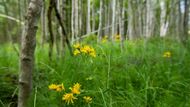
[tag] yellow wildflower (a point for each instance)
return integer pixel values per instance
(104, 39)
(93, 54)
(91, 50)
(167, 54)
(76, 88)
(60, 87)
(57, 87)
(76, 52)
(77, 85)
(86, 49)
(83, 50)
(68, 98)
(77, 45)
(117, 37)
(87, 99)
(52, 87)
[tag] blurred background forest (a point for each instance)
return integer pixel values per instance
(131, 19)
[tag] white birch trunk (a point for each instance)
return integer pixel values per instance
(43, 23)
(76, 19)
(163, 22)
(131, 25)
(100, 28)
(93, 15)
(113, 18)
(122, 22)
(73, 22)
(80, 17)
(28, 44)
(88, 17)
(150, 20)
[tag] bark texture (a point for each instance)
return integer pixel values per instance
(163, 22)
(122, 23)
(113, 18)
(100, 28)
(150, 20)
(28, 44)
(43, 23)
(88, 17)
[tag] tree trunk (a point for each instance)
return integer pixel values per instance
(140, 17)
(184, 21)
(109, 21)
(28, 44)
(73, 21)
(163, 22)
(80, 17)
(100, 28)
(43, 23)
(113, 18)
(88, 17)
(93, 15)
(63, 15)
(150, 20)
(122, 22)
(76, 15)
(106, 19)
(172, 19)
(132, 33)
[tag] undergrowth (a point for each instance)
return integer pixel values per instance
(139, 76)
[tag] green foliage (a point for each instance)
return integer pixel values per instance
(138, 77)
(8, 75)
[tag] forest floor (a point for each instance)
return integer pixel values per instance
(155, 73)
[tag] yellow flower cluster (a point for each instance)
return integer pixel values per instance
(55, 87)
(76, 88)
(86, 49)
(70, 97)
(117, 37)
(104, 39)
(167, 54)
(87, 99)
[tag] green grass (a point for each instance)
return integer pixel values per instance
(137, 77)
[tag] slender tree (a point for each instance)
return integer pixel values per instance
(75, 20)
(163, 20)
(49, 15)
(43, 23)
(64, 18)
(28, 44)
(93, 15)
(172, 18)
(150, 18)
(185, 21)
(122, 22)
(88, 16)
(113, 18)
(100, 28)
(132, 20)
(182, 20)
